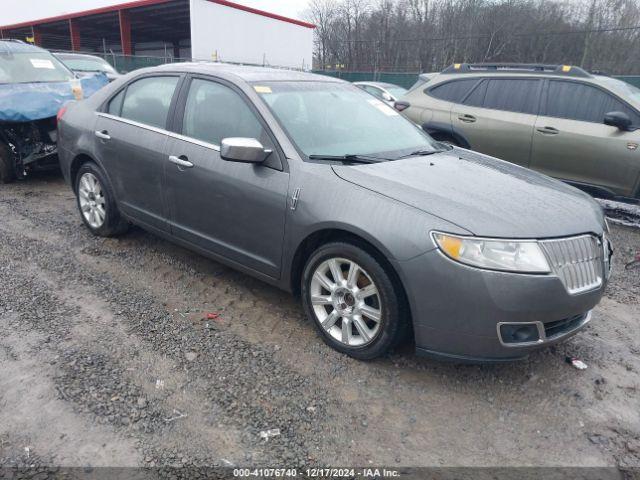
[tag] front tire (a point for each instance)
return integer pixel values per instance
(96, 202)
(352, 301)
(7, 168)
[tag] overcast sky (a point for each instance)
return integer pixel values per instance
(17, 11)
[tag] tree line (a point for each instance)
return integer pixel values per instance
(427, 35)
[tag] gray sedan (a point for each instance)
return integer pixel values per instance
(314, 186)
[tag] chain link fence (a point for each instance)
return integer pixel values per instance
(128, 63)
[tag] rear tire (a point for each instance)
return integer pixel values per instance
(7, 169)
(352, 301)
(97, 204)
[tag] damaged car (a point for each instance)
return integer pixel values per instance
(34, 85)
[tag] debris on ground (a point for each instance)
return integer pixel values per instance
(635, 263)
(213, 316)
(267, 434)
(159, 384)
(579, 364)
(178, 415)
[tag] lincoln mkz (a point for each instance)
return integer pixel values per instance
(315, 186)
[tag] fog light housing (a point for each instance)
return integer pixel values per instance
(519, 333)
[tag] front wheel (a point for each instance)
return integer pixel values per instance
(352, 301)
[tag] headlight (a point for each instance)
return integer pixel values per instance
(505, 255)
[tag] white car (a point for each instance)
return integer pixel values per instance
(387, 92)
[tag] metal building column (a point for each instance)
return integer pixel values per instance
(37, 35)
(125, 32)
(74, 32)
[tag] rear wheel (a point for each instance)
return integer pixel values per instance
(7, 170)
(96, 202)
(352, 301)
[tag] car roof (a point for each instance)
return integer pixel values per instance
(75, 55)
(249, 74)
(17, 46)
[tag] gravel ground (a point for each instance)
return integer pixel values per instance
(108, 360)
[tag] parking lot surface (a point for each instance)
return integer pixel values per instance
(108, 359)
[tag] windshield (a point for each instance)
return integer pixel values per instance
(88, 64)
(32, 67)
(336, 119)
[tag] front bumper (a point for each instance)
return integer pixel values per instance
(457, 310)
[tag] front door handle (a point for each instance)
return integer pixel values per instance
(548, 130)
(182, 162)
(467, 118)
(103, 134)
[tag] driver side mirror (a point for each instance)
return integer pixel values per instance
(243, 150)
(618, 119)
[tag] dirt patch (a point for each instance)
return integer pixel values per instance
(110, 339)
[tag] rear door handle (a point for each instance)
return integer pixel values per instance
(548, 130)
(103, 134)
(182, 162)
(467, 118)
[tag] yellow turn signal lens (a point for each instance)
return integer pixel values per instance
(450, 245)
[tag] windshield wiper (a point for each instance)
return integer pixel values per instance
(422, 153)
(349, 158)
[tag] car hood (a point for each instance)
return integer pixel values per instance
(486, 196)
(26, 102)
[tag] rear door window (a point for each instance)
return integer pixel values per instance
(148, 100)
(454, 91)
(578, 101)
(476, 97)
(513, 95)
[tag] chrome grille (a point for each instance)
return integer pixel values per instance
(577, 261)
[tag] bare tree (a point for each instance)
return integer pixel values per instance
(427, 35)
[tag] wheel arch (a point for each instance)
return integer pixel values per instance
(335, 234)
(436, 129)
(74, 168)
(77, 162)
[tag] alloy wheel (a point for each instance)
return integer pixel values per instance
(92, 200)
(346, 302)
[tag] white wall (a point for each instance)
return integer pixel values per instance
(227, 34)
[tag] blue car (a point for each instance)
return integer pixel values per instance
(34, 85)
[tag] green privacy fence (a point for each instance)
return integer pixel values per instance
(127, 63)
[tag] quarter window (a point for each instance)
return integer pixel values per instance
(214, 111)
(513, 95)
(577, 101)
(453, 91)
(148, 100)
